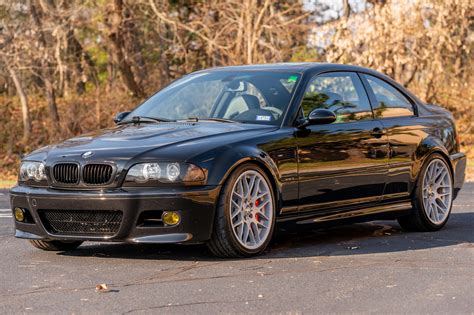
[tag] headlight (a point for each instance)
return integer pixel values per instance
(32, 171)
(165, 173)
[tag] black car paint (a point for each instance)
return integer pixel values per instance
(319, 172)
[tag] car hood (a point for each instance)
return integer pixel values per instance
(133, 140)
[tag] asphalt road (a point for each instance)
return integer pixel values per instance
(364, 268)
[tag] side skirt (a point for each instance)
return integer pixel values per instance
(314, 217)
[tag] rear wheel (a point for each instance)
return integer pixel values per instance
(55, 245)
(433, 197)
(245, 215)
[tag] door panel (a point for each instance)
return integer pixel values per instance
(341, 164)
(345, 162)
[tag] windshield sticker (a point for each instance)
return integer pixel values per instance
(292, 78)
(264, 118)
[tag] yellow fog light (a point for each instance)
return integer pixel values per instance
(19, 214)
(170, 218)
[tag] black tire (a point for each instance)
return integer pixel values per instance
(58, 246)
(418, 220)
(223, 242)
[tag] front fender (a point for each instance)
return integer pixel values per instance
(225, 162)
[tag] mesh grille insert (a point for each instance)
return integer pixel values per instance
(81, 222)
(66, 173)
(97, 174)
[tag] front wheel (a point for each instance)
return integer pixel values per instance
(55, 245)
(245, 215)
(433, 197)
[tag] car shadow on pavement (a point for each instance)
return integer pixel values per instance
(306, 241)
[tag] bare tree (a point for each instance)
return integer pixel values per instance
(236, 32)
(45, 71)
(115, 23)
(23, 99)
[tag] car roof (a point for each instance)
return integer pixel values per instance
(292, 66)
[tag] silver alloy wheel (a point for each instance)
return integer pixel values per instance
(251, 209)
(437, 191)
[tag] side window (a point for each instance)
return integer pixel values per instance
(390, 102)
(341, 92)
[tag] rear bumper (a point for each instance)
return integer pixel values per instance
(458, 161)
(196, 206)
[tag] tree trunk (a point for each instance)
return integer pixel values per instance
(76, 51)
(46, 72)
(133, 46)
(115, 35)
(24, 103)
(346, 8)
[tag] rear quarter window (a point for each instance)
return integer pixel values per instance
(390, 101)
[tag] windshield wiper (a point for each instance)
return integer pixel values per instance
(213, 119)
(139, 119)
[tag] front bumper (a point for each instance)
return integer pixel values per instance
(196, 206)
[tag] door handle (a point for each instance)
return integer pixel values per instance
(377, 132)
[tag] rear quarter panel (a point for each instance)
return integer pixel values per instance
(411, 141)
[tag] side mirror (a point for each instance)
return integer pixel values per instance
(120, 116)
(321, 116)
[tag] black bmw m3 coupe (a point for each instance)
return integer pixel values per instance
(222, 155)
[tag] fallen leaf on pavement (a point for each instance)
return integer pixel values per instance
(101, 288)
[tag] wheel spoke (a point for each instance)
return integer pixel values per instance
(252, 238)
(430, 210)
(255, 232)
(236, 205)
(436, 214)
(432, 172)
(246, 187)
(238, 195)
(236, 211)
(261, 197)
(256, 187)
(440, 204)
(240, 231)
(251, 185)
(437, 174)
(441, 177)
(263, 204)
(246, 232)
(262, 224)
(263, 215)
(241, 188)
(440, 210)
(238, 222)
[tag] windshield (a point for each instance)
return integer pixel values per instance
(251, 96)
